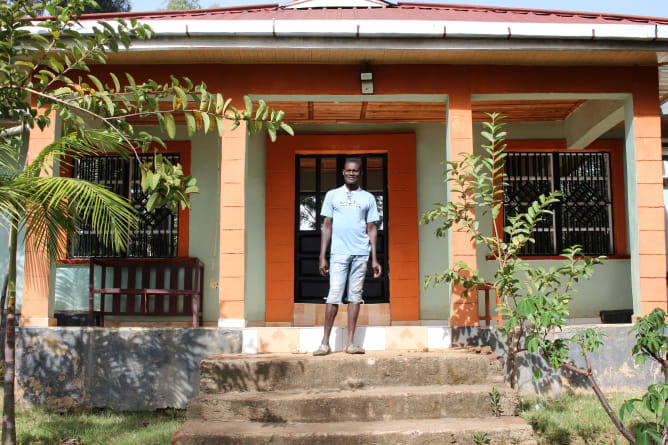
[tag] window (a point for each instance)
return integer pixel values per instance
(157, 233)
(585, 214)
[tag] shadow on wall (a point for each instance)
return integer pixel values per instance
(124, 369)
(613, 365)
(71, 288)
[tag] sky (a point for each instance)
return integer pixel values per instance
(653, 8)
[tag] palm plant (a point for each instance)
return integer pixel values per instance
(47, 210)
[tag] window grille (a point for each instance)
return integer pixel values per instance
(156, 234)
(584, 214)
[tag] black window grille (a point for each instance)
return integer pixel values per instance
(157, 233)
(584, 214)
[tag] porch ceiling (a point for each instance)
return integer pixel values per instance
(328, 112)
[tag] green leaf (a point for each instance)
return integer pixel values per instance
(207, 122)
(170, 126)
(150, 205)
(221, 125)
(219, 103)
(248, 103)
(288, 129)
(117, 84)
(190, 124)
(96, 82)
(146, 180)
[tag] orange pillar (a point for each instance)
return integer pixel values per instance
(650, 205)
(280, 229)
(464, 310)
(39, 274)
(232, 252)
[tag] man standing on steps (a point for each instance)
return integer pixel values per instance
(350, 216)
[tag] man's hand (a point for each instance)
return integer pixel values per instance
(377, 269)
(324, 266)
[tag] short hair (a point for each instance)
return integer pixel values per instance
(357, 161)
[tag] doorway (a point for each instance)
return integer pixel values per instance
(314, 176)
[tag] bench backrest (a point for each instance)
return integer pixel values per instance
(129, 282)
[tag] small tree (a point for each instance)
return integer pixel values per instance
(182, 4)
(652, 343)
(525, 292)
(534, 300)
(47, 72)
(108, 6)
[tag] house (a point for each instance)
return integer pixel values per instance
(404, 86)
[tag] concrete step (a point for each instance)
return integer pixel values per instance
(501, 430)
(281, 372)
(370, 404)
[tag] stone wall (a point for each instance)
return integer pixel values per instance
(125, 368)
(613, 366)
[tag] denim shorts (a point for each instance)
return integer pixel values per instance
(350, 268)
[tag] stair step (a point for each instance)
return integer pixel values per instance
(501, 430)
(238, 372)
(368, 404)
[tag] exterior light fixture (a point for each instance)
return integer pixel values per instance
(366, 78)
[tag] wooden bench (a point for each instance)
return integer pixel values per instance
(147, 287)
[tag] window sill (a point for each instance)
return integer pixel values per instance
(72, 261)
(559, 257)
(76, 261)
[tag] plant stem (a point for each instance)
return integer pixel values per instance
(9, 415)
(601, 397)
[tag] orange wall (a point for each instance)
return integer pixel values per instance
(402, 217)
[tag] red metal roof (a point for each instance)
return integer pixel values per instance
(401, 11)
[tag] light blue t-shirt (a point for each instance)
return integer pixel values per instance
(350, 212)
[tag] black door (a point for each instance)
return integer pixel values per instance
(315, 175)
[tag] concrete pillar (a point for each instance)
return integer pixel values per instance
(232, 252)
(645, 199)
(464, 310)
(39, 273)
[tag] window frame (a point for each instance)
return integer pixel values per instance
(615, 148)
(183, 148)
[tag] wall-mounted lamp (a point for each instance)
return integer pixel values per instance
(366, 77)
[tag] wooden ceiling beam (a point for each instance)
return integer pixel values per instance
(363, 111)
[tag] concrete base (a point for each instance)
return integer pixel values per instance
(613, 365)
(372, 338)
(124, 369)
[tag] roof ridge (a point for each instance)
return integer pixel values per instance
(540, 11)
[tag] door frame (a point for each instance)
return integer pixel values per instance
(404, 279)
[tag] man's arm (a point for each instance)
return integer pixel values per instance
(325, 237)
(372, 232)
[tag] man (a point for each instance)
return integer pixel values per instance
(350, 216)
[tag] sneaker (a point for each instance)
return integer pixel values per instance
(354, 349)
(322, 350)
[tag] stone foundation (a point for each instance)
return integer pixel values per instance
(125, 368)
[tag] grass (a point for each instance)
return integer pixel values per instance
(35, 426)
(573, 419)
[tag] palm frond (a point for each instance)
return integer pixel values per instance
(60, 205)
(12, 199)
(75, 145)
(10, 150)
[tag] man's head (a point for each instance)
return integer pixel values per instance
(352, 171)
